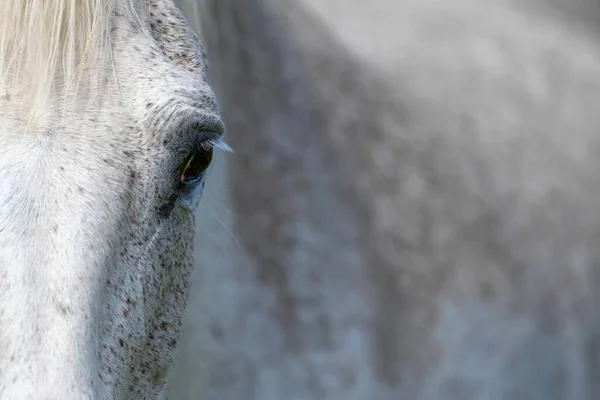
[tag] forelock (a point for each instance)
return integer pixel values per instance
(43, 42)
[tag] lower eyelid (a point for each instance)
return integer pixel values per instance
(195, 180)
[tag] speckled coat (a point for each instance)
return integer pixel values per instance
(96, 232)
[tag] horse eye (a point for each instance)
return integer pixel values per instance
(196, 164)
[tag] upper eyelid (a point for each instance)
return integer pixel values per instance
(211, 129)
(210, 123)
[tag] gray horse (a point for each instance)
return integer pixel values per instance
(107, 128)
(413, 199)
(415, 196)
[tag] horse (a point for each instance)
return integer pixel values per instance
(414, 201)
(107, 130)
(415, 214)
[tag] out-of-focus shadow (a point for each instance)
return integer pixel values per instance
(412, 205)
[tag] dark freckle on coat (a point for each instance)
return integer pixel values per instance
(165, 210)
(64, 310)
(132, 177)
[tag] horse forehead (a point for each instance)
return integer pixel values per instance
(179, 41)
(158, 64)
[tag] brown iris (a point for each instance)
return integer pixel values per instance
(196, 164)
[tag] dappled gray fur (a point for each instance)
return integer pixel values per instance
(96, 227)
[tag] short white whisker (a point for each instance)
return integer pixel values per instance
(216, 216)
(210, 198)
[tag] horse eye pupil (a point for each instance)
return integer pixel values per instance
(197, 164)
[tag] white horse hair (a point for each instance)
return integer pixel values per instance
(106, 128)
(41, 39)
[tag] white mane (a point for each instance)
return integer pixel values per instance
(44, 42)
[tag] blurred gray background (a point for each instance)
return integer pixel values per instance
(380, 233)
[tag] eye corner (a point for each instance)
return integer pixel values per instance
(191, 180)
